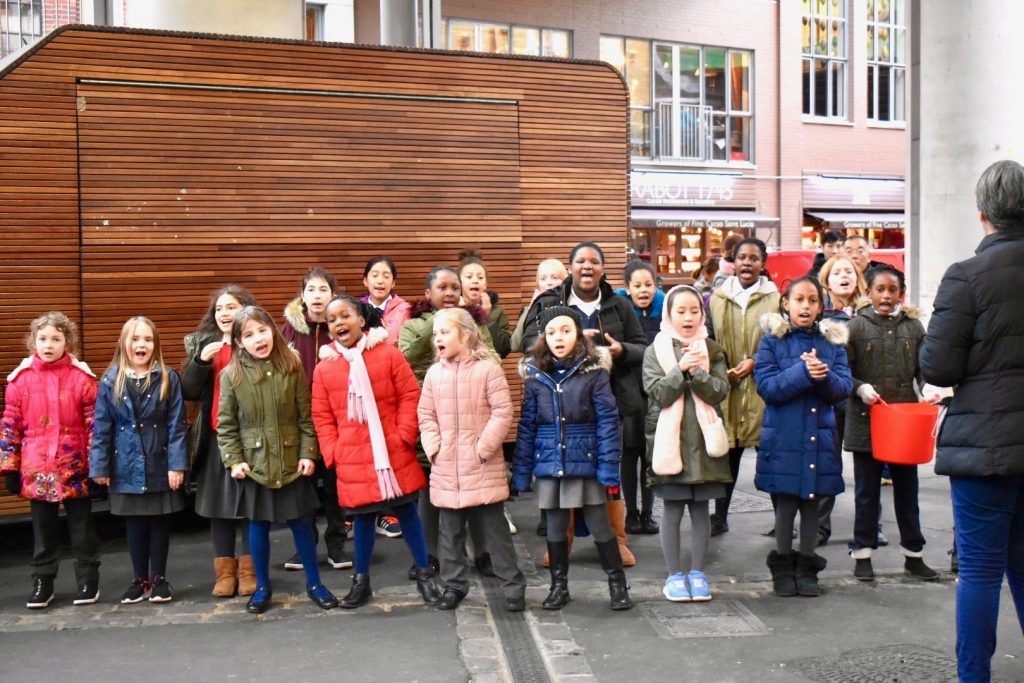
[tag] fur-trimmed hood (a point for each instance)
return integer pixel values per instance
(27, 363)
(600, 359)
(295, 314)
(423, 306)
(834, 332)
(909, 310)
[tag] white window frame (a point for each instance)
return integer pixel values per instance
(896, 63)
(479, 24)
(834, 89)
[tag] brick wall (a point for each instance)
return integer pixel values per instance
(59, 12)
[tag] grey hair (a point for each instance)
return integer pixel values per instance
(1000, 196)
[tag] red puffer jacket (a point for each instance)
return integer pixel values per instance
(345, 445)
(47, 428)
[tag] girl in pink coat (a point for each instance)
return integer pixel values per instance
(379, 277)
(44, 453)
(465, 411)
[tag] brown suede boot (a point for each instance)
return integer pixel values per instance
(226, 569)
(572, 531)
(617, 518)
(246, 576)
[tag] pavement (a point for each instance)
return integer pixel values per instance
(895, 629)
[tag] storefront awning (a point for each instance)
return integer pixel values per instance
(860, 221)
(682, 218)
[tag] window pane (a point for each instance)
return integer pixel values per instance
(494, 39)
(611, 52)
(639, 132)
(663, 73)
(838, 8)
(871, 92)
(525, 41)
(838, 89)
(638, 71)
(807, 83)
(884, 73)
(822, 7)
(714, 78)
(555, 44)
(719, 147)
(898, 54)
(871, 43)
(871, 10)
(463, 36)
(739, 138)
(805, 6)
(836, 37)
(883, 10)
(444, 34)
(898, 17)
(689, 76)
(805, 28)
(821, 37)
(899, 95)
(739, 83)
(820, 88)
(883, 44)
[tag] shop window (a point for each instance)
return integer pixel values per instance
(476, 36)
(21, 24)
(314, 21)
(823, 45)
(687, 103)
(887, 60)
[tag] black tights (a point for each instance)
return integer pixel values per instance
(722, 504)
(223, 533)
(632, 460)
(786, 507)
(148, 541)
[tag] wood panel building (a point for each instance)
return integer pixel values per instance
(140, 170)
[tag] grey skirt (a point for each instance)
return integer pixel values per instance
(217, 494)
(152, 503)
(684, 492)
(569, 492)
(293, 501)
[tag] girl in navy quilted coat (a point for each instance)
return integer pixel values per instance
(801, 372)
(569, 440)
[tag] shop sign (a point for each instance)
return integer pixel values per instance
(652, 188)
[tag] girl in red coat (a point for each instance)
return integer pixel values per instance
(364, 409)
(44, 453)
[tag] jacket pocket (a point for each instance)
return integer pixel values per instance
(254, 452)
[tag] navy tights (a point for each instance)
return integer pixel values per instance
(259, 543)
(412, 533)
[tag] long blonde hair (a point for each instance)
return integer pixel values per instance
(121, 355)
(860, 289)
(461, 320)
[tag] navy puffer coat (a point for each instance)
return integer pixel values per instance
(798, 453)
(568, 427)
(137, 451)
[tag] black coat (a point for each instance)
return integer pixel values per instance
(616, 318)
(975, 343)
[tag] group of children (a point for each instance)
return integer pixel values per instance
(403, 408)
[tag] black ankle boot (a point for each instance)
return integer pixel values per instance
(359, 594)
(558, 560)
(426, 586)
(648, 523)
(611, 562)
(783, 569)
(807, 568)
(633, 523)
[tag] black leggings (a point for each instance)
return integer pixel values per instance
(786, 507)
(631, 461)
(148, 541)
(223, 533)
(722, 504)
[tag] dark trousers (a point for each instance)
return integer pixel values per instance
(989, 518)
(867, 476)
(722, 504)
(827, 503)
(452, 547)
(85, 543)
(431, 517)
(633, 468)
(334, 534)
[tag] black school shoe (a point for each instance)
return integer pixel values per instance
(719, 525)
(647, 523)
(633, 524)
(451, 598)
(916, 567)
(863, 571)
(321, 597)
(88, 593)
(260, 601)
(160, 590)
(42, 593)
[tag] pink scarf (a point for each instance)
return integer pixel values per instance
(362, 407)
(666, 458)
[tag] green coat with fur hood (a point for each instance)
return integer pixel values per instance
(266, 420)
(883, 352)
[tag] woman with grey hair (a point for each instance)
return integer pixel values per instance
(975, 343)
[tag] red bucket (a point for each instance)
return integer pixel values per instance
(903, 433)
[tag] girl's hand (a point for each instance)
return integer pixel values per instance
(742, 370)
(694, 360)
(868, 394)
(175, 478)
(485, 303)
(210, 350)
(240, 470)
(614, 346)
(306, 467)
(327, 352)
(102, 481)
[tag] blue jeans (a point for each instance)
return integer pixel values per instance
(989, 519)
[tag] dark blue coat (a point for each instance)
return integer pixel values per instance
(798, 453)
(568, 427)
(137, 451)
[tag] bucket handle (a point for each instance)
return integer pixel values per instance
(938, 422)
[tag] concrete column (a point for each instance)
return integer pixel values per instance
(966, 114)
(264, 18)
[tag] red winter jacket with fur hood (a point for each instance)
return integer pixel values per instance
(345, 445)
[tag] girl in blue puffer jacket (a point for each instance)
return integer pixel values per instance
(801, 372)
(569, 440)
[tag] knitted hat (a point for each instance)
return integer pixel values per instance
(549, 314)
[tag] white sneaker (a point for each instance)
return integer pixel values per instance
(508, 518)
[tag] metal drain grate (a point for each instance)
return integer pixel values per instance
(749, 502)
(715, 619)
(525, 663)
(883, 664)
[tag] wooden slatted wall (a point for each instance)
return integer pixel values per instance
(141, 170)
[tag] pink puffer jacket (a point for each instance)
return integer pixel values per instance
(465, 413)
(47, 428)
(397, 312)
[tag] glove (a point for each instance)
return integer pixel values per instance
(867, 393)
(12, 480)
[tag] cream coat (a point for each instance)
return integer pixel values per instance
(465, 412)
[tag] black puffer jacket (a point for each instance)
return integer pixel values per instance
(616, 318)
(975, 343)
